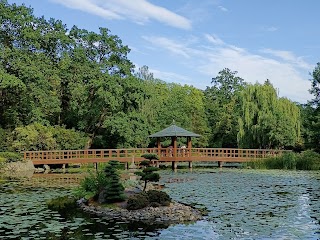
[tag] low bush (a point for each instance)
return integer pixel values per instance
(11, 157)
(159, 197)
(151, 198)
(138, 201)
(62, 203)
(91, 185)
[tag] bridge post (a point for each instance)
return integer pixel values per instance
(220, 163)
(174, 165)
(190, 164)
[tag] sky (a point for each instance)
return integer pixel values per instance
(190, 41)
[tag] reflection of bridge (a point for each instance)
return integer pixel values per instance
(173, 155)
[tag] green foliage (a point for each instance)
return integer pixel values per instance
(150, 156)
(137, 201)
(223, 109)
(285, 161)
(114, 188)
(5, 140)
(69, 138)
(107, 181)
(159, 197)
(315, 85)
(33, 137)
(307, 160)
(92, 185)
(144, 163)
(82, 80)
(151, 198)
(267, 121)
(36, 136)
(62, 203)
(148, 175)
(11, 157)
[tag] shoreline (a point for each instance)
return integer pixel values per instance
(173, 214)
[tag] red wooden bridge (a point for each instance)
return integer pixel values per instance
(173, 155)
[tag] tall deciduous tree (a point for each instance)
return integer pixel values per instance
(267, 121)
(313, 116)
(223, 109)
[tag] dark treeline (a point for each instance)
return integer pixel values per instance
(71, 88)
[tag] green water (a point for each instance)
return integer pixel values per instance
(242, 204)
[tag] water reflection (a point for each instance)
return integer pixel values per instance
(242, 204)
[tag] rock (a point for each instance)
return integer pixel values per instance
(23, 166)
(102, 196)
(175, 213)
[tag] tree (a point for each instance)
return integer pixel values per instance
(223, 109)
(114, 189)
(315, 85)
(148, 173)
(267, 121)
(312, 112)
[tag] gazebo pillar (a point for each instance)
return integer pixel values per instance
(189, 146)
(159, 147)
(174, 145)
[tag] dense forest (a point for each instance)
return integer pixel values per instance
(66, 88)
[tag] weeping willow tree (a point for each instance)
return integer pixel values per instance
(266, 120)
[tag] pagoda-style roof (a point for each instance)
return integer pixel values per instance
(174, 131)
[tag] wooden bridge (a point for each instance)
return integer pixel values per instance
(173, 155)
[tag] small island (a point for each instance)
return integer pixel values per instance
(102, 194)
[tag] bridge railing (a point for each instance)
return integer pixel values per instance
(234, 153)
(165, 154)
(87, 154)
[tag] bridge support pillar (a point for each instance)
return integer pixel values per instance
(190, 164)
(220, 163)
(157, 164)
(174, 165)
(96, 166)
(127, 165)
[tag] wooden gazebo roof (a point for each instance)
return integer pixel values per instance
(174, 131)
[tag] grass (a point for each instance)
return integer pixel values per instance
(307, 160)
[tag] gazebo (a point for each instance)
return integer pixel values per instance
(174, 132)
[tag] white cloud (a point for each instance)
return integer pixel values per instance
(170, 45)
(270, 29)
(223, 8)
(171, 77)
(214, 39)
(289, 57)
(287, 72)
(140, 11)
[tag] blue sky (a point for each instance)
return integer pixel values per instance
(190, 41)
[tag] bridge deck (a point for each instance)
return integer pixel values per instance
(165, 155)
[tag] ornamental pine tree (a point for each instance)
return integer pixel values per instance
(148, 173)
(114, 189)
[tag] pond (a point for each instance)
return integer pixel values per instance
(242, 204)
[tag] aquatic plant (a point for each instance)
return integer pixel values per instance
(284, 161)
(307, 160)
